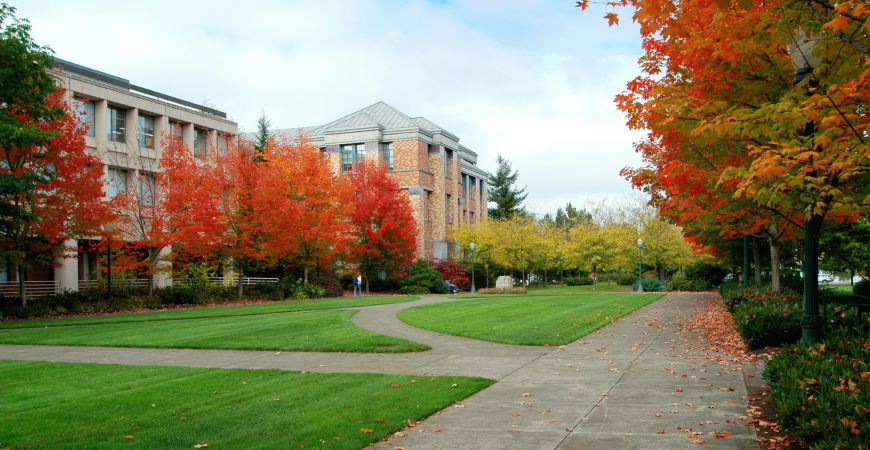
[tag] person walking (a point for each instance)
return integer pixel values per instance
(356, 286)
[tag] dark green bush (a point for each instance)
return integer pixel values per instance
(578, 281)
(421, 274)
(679, 283)
(733, 295)
(414, 290)
(627, 279)
(177, 295)
(377, 284)
(709, 273)
(768, 324)
(821, 393)
(650, 285)
(862, 288)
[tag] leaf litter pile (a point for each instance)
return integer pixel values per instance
(718, 327)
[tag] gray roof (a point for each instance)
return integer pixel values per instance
(379, 115)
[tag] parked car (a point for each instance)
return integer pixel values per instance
(825, 279)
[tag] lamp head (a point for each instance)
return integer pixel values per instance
(801, 51)
(639, 243)
(109, 227)
(471, 246)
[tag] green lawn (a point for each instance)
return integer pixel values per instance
(840, 290)
(526, 319)
(325, 331)
(96, 406)
(566, 290)
(218, 311)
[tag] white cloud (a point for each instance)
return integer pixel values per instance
(533, 81)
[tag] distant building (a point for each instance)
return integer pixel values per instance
(440, 176)
(126, 125)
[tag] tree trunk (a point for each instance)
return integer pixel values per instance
(367, 285)
(305, 271)
(545, 278)
(151, 286)
(774, 266)
(756, 260)
(241, 284)
(852, 277)
(561, 275)
(487, 276)
(608, 278)
(21, 289)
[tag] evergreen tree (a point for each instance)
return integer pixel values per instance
(261, 136)
(503, 193)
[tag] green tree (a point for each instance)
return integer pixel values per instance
(24, 87)
(502, 192)
(261, 136)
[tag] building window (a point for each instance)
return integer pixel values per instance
(464, 185)
(147, 189)
(388, 155)
(146, 131)
(199, 143)
(481, 190)
(84, 109)
(223, 142)
(446, 164)
(117, 182)
(117, 124)
(427, 204)
(351, 155)
(175, 130)
(471, 217)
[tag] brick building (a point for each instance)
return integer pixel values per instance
(439, 175)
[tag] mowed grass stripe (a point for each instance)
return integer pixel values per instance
(94, 406)
(326, 331)
(526, 320)
(217, 311)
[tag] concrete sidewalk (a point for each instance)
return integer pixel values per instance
(630, 385)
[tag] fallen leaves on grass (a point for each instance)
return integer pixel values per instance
(394, 385)
(366, 430)
(128, 437)
(200, 446)
(380, 420)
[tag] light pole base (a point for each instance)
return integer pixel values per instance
(812, 328)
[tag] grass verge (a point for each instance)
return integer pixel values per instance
(217, 311)
(323, 331)
(97, 406)
(526, 319)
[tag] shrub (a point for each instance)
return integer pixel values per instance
(377, 284)
(733, 295)
(578, 281)
(331, 286)
(821, 393)
(453, 271)
(177, 295)
(414, 290)
(709, 273)
(862, 288)
(627, 279)
(679, 283)
(650, 285)
(517, 290)
(490, 291)
(420, 274)
(768, 324)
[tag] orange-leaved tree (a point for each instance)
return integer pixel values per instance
(320, 197)
(228, 205)
(382, 238)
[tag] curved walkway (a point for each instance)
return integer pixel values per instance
(629, 385)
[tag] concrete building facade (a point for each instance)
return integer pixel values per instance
(126, 123)
(438, 174)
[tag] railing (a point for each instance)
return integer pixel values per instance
(125, 282)
(31, 288)
(225, 281)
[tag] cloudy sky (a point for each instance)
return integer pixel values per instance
(532, 80)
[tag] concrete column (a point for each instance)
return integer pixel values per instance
(211, 141)
(101, 124)
(163, 278)
(132, 132)
(161, 125)
(67, 273)
(106, 182)
(187, 136)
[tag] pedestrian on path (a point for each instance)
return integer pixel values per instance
(357, 281)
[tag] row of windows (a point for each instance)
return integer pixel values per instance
(119, 183)
(466, 180)
(117, 127)
(354, 153)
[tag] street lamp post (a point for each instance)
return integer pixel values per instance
(473, 290)
(109, 227)
(801, 50)
(640, 265)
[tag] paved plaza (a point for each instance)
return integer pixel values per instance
(640, 382)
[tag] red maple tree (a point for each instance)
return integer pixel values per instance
(383, 230)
